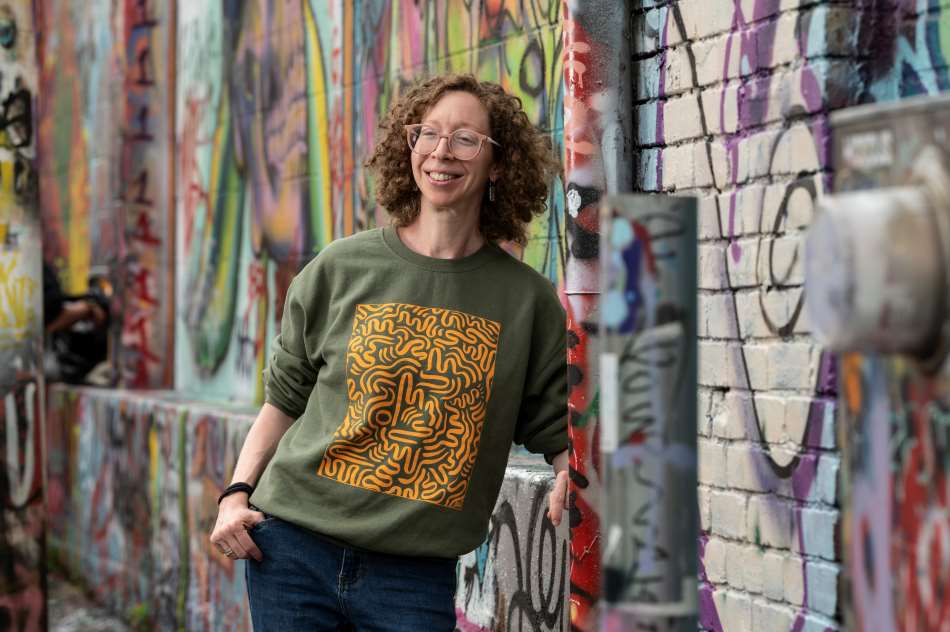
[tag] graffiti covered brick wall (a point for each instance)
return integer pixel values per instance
(732, 102)
(22, 511)
(278, 105)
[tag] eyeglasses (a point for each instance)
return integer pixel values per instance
(463, 143)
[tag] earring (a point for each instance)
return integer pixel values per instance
(491, 190)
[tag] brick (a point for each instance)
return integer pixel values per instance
(735, 609)
(794, 580)
(716, 315)
(648, 165)
(728, 513)
(792, 365)
(681, 120)
(773, 575)
(753, 568)
(825, 488)
(771, 409)
(706, 400)
(818, 532)
(714, 560)
(712, 463)
(740, 466)
(735, 572)
(756, 358)
(704, 508)
(711, 274)
(708, 218)
(780, 261)
(822, 581)
(769, 522)
(770, 616)
(742, 262)
(720, 364)
(740, 210)
(734, 416)
(703, 159)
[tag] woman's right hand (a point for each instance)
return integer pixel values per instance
(230, 535)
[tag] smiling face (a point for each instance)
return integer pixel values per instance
(444, 181)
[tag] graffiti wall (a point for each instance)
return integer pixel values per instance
(105, 167)
(277, 107)
(22, 512)
(732, 106)
(133, 485)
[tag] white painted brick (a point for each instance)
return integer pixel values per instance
(818, 623)
(780, 261)
(825, 488)
(742, 262)
(703, 159)
(740, 465)
(770, 522)
(792, 365)
(796, 419)
(734, 608)
(774, 310)
(818, 532)
(822, 580)
(711, 18)
(773, 575)
(712, 267)
(722, 164)
(704, 508)
(717, 316)
(678, 75)
(797, 151)
(771, 410)
(735, 572)
(728, 513)
(770, 616)
(708, 218)
(647, 29)
(647, 130)
(706, 401)
(794, 580)
(720, 364)
(734, 416)
(681, 118)
(784, 47)
(757, 364)
(740, 210)
(714, 560)
(710, 58)
(755, 155)
(712, 463)
(753, 560)
(751, 322)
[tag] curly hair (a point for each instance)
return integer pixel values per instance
(524, 159)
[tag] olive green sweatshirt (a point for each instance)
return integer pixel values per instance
(409, 377)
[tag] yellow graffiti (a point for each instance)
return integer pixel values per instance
(16, 300)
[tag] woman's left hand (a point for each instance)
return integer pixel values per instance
(557, 499)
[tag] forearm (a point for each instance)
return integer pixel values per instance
(260, 444)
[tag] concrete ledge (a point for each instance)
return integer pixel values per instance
(133, 479)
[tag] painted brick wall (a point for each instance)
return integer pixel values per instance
(732, 100)
(732, 106)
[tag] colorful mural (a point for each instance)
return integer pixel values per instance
(277, 106)
(22, 511)
(105, 167)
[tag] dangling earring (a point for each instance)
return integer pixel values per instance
(491, 190)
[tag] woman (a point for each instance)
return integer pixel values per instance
(408, 360)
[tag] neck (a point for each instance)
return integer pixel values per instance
(443, 233)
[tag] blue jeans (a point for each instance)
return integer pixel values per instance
(308, 583)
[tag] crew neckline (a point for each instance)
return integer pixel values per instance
(463, 264)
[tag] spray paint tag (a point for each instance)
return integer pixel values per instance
(609, 404)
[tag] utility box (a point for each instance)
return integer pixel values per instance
(877, 270)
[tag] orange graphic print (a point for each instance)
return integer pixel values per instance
(418, 381)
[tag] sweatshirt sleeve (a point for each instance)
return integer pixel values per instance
(542, 418)
(291, 374)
